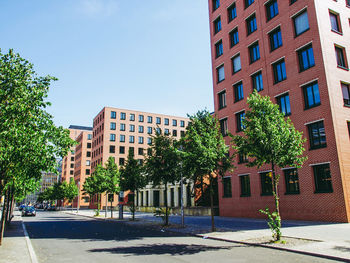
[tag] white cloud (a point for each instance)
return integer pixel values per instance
(96, 8)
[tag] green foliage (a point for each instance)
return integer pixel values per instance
(132, 178)
(205, 153)
(29, 140)
(269, 138)
(162, 164)
(274, 222)
(103, 180)
(71, 190)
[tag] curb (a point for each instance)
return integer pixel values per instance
(31, 251)
(239, 242)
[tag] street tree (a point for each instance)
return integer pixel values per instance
(71, 190)
(96, 185)
(269, 138)
(29, 140)
(206, 155)
(112, 178)
(162, 164)
(132, 178)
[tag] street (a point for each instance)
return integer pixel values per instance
(58, 237)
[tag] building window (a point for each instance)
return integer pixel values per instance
(271, 9)
(72, 159)
(149, 130)
(140, 140)
(182, 133)
(248, 3)
(254, 52)
(323, 180)
(222, 99)
(301, 23)
(122, 127)
(242, 158)
(257, 81)
(251, 24)
(72, 165)
(149, 119)
(132, 151)
(239, 121)
(232, 12)
(245, 185)
(87, 171)
(112, 137)
(158, 120)
(122, 138)
(174, 133)
(216, 4)
(217, 25)
(266, 183)
(279, 71)
(346, 94)
(166, 121)
(141, 118)
(149, 141)
(140, 151)
(158, 131)
(335, 22)
(275, 37)
(341, 57)
(122, 116)
(121, 149)
(182, 123)
(112, 125)
(236, 63)
(292, 1)
(223, 127)
(111, 149)
(317, 135)
(238, 90)
(226, 185)
(88, 154)
(219, 49)
(220, 73)
(348, 3)
(89, 137)
(174, 123)
(140, 129)
(132, 128)
(88, 145)
(284, 104)
(166, 131)
(306, 58)
(234, 39)
(311, 95)
(121, 161)
(88, 163)
(131, 139)
(113, 115)
(132, 117)
(292, 181)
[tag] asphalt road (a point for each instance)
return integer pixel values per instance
(58, 237)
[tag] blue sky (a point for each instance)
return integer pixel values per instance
(152, 55)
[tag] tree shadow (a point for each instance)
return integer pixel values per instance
(342, 248)
(161, 249)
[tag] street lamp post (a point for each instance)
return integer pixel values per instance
(182, 202)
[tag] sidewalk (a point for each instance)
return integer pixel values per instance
(330, 240)
(14, 247)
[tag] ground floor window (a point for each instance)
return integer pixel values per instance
(266, 183)
(245, 185)
(323, 180)
(292, 181)
(227, 189)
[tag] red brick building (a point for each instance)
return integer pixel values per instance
(294, 51)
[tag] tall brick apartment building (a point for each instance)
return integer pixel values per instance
(118, 131)
(82, 165)
(68, 162)
(294, 51)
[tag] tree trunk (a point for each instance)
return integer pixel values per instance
(8, 205)
(133, 205)
(12, 197)
(166, 205)
(3, 219)
(211, 193)
(275, 181)
(111, 208)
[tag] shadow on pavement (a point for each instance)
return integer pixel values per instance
(161, 249)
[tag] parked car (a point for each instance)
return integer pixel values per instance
(28, 211)
(20, 208)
